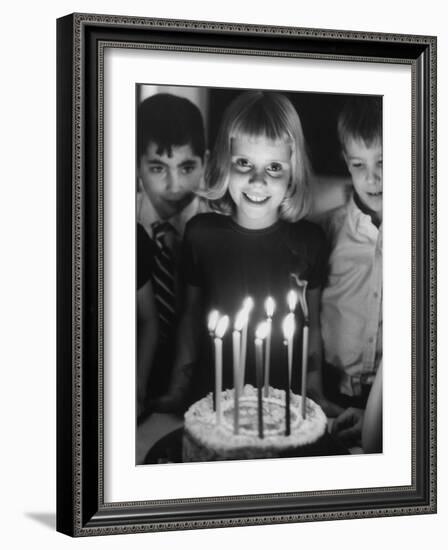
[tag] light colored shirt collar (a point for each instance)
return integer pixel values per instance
(359, 222)
(147, 214)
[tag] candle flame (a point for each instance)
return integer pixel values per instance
(292, 300)
(242, 318)
(269, 306)
(213, 319)
(221, 327)
(248, 304)
(289, 326)
(262, 331)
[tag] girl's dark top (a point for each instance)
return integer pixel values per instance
(229, 263)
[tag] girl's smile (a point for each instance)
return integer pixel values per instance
(259, 179)
(256, 199)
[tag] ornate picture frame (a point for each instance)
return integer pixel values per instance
(82, 509)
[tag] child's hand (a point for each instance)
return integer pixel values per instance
(330, 409)
(348, 425)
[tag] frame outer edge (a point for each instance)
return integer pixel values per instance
(65, 441)
(433, 271)
(78, 263)
(246, 28)
(70, 514)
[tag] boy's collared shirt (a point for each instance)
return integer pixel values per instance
(147, 215)
(351, 315)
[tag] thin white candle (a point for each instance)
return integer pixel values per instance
(260, 335)
(288, 334)
(236, 336)
(248, 304)
(212, 321)
(289, 325)
(218, 378)
(304, 367)
(302, 287)
(269, 306)
(240, 321)
(236, 339)
(221, 328)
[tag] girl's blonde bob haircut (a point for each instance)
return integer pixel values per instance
(260, 114)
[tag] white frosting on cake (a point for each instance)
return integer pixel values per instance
(201, 422)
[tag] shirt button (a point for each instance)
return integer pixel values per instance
(370, 339)
(375, 294)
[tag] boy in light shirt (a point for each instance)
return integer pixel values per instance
(351, 313)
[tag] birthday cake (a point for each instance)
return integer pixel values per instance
(205, 439)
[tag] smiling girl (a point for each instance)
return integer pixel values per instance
(255, 244)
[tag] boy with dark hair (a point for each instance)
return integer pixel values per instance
(171, 157)
(351, 313)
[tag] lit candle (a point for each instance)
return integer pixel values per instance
(248, 304)
(212, 321)
(236, 338)
(288, 334)
(304, 365)
(269, 307)
(291, 300)
(221, 328)
(302, 285)
(260, 335)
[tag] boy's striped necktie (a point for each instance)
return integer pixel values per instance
(163, 277)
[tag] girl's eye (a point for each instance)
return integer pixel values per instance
(275, 167)
(357, 165)
(242, 164)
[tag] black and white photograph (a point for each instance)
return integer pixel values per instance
(237, 343)
(259, 280)
(193, 267)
